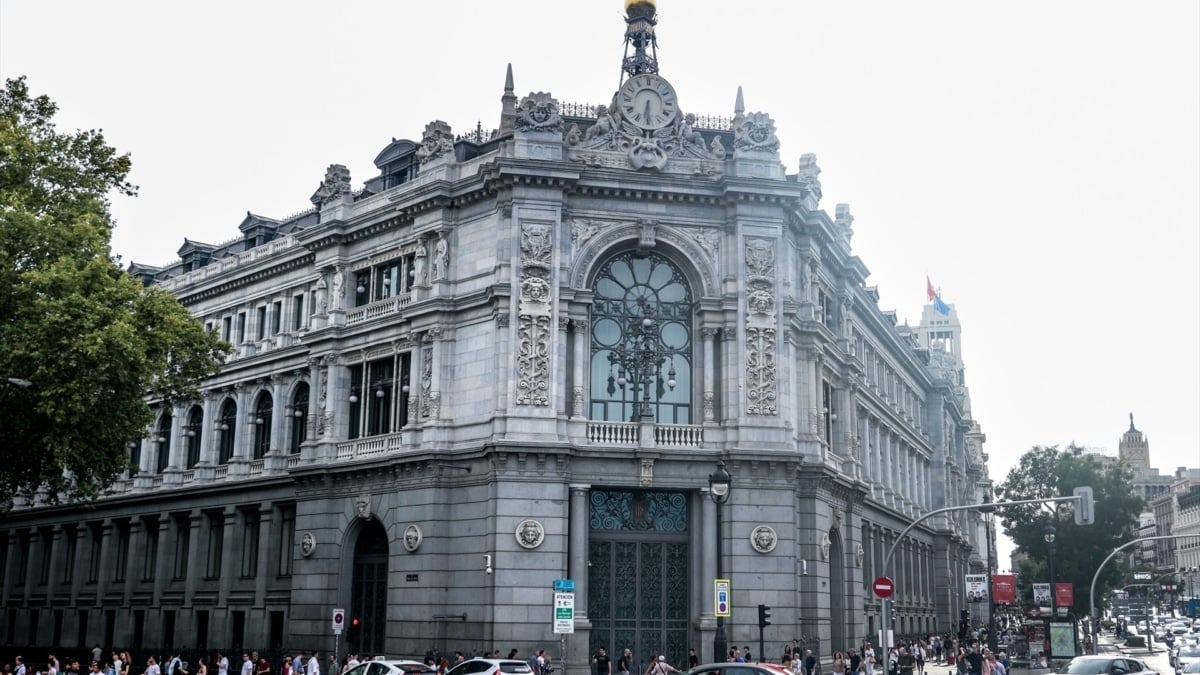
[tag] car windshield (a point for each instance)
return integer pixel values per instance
(1087, 666)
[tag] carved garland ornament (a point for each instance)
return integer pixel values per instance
(761, 393)
(533, 315)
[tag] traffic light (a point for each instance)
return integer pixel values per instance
(1085, 509)
(353, 629)
(764, 616)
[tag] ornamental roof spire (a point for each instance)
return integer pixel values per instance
(640, 19)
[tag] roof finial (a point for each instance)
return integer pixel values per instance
(739, 106)
(1131, 428)
(508, 105)
(640, 19)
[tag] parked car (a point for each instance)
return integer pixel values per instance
(1193, 667)
(490, 667)
(1107, 664)
(737, 669)
(391, 667)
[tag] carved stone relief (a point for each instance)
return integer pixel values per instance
(762, 389)
(437, 140)
(534, 314)
(412, 538)
(426, 380)
(756, 132)
(335, 184)
(538, 112)
(763, 538)
(616, 142)
(530, 533)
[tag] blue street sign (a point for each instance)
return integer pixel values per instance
(564, 585)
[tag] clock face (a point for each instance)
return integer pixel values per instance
(648, 101)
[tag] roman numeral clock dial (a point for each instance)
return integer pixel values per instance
(648, 101)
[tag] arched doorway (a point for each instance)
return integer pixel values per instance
(368, 590)
(837, 597)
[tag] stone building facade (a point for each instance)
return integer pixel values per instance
(516, 357)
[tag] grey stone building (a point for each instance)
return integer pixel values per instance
(520, 356)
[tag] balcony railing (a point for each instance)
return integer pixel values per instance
(378, 308)
(612, 433)
(370, 447)
(678, 435)
(601, 432)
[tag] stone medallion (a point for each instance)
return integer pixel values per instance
(763, 538)
(530, 533)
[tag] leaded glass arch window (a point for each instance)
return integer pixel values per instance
(641, 352)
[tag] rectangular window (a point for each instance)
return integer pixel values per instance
(216, 540)
(226, 328)
(356, 406)
(260, 323)
(297, 312)
(276, 316)
(122, 560)
(150, 560)
(241, 327)
(251, 521)
(71, 540)
(287, 535)
(183, 545)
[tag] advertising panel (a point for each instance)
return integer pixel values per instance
(1064, 594)
(1041, 595)
(1004, 588)
(977, 588)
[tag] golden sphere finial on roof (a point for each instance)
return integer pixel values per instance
(639, 8)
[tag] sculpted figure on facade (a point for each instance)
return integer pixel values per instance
(717, 148)
(321, 298)
(362, 506)
(604, 125)
(530, 533)
(533, 315)
(419, 257)
(572, 136)
(808, 174)
(439, 259)
(339, 288)
(538, 112)
(763, 538)
(335, 184)
(437, 140)
(412, 538)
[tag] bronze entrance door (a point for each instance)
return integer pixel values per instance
(638, 590)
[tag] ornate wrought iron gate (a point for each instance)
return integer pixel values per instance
(638, 590)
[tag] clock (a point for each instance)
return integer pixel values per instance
(648, 101)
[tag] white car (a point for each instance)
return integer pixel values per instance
(391, 667)
(1185, 657)
(491, 667)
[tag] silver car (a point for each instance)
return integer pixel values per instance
(1106, 664)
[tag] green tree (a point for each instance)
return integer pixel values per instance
(1079, 549)
(82, 343)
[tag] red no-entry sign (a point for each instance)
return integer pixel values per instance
(884, 587)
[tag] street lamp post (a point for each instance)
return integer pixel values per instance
(1049, 537)
(639, 360)
(719, 483)
(987, 518)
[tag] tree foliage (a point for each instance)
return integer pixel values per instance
(1079, 549)
(82, 343)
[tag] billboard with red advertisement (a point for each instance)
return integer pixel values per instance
(1064, 595)
(1004, 588)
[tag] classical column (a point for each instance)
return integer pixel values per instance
(437, 335)
(708, 561)
(197, 554)
(135, 559)
(582, 341)
(57, 551)
(33, 564)
(12, 543)
(105, 574)
(167, 533)
(209, 432)
(577, 566)
(240, 446)
(178, 455)
(333, 401)
(83, 553)
(707, 337)
(265, 523)
(231, 555)
(278, 419)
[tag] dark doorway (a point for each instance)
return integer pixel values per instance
(368, 601)
(839, 617)
(638, 574)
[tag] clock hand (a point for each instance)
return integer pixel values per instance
(647, 110)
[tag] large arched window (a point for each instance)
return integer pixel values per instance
(299, 418)
(192, 435)
(262, 425)
(225, 431)
(163, 443)
(641, 356)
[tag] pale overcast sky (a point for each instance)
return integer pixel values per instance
(1040, 161)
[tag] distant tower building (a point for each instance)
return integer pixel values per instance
(1134, 447)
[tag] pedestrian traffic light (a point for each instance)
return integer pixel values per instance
(764, 616)
(353, 629)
